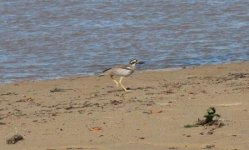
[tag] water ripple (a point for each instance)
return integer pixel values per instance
(50, 39)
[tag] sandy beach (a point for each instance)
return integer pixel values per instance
(91, 113)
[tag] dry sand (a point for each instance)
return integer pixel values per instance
(90, 113)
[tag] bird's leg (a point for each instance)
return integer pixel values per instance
(120, 82)
(116, 82)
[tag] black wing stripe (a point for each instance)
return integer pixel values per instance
(106, 70)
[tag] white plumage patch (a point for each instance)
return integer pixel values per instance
(122, 72)
(128, 68)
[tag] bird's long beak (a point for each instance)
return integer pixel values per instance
(141, 62)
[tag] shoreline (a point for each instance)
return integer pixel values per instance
(141, 71)
(89, 112)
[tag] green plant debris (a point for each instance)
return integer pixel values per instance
(209, 118)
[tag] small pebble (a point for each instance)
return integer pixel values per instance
(208, 146)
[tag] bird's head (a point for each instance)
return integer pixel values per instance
(135, 61)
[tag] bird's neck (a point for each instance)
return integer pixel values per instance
(133, 66)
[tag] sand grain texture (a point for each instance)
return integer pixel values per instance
(90, 113)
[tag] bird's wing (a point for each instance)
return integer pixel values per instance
(106, 70)
(116, 66)
(127, 67)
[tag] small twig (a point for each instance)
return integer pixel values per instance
(9, 93)
(59, 90)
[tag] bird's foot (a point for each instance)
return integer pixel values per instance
(127, 90)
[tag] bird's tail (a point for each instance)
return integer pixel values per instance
(103, 72)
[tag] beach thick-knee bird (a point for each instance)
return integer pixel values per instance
(121, 71)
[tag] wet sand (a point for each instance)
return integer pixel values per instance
(91, 113)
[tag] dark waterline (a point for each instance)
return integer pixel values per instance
(50, 39)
